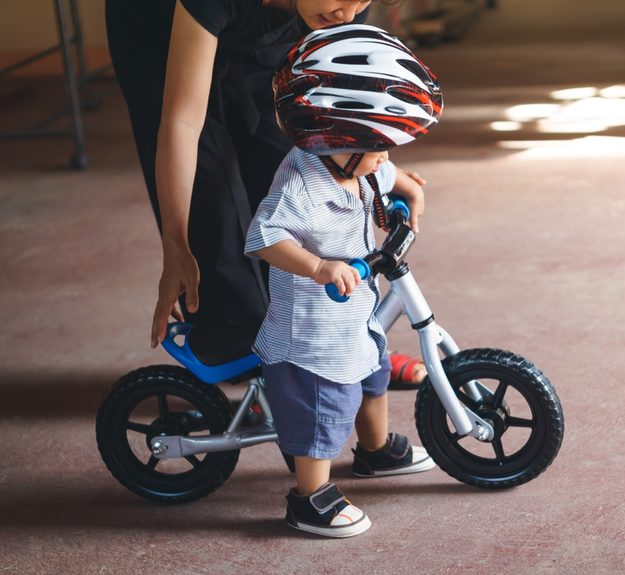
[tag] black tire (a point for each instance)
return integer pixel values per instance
(523, 408)
(163, 400)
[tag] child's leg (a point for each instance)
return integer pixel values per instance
(379, 452)
(311, 474)
(372, 422)
(314, 417)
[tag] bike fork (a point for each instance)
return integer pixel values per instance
(406, 297)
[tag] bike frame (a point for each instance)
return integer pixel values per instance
(403, 298)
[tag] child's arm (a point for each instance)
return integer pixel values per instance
(408, 186)
(290, 257)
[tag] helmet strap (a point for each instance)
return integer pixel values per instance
(347, 171)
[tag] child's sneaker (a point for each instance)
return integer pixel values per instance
(395, 458)
(325, 512)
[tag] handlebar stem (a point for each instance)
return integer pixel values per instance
(394, 249)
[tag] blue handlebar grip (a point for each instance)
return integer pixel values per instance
(399, 204)
(363, 270)
(362, 266)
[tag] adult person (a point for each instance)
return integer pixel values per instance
(196, 77)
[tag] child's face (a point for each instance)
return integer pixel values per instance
(369, 164)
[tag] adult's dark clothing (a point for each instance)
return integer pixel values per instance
(240, 146)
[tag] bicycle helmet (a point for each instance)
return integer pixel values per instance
(354, 88)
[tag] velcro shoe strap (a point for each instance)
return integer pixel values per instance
(326, 497)
(397, 445)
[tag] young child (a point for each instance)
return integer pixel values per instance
(345, 96)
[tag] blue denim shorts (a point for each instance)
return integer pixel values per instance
(314, 416)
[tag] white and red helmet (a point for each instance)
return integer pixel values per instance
(354, 88)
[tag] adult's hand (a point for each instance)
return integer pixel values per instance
(181, 274)
(417, 178)
(408, 186)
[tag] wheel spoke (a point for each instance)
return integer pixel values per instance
(138, 427)
(195, 425)
(499, 393)
(163, 408)
(520, 422)
(151, 464)
(498, 449)
(455, 437)
(193, 460)
(469, 402)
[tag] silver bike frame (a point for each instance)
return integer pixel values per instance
(235, 436)
(403, 297)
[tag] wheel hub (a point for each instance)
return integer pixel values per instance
(496, 418)
(175, 425)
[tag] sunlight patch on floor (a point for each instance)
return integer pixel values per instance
(584, 148)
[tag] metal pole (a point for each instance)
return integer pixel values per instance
(80, 48)
(79, 159)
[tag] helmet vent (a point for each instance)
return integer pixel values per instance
(417, 70)
(352, 105)
(302, 84)
(355, 59)
(404, 95)
(395, 110)
(309, 125)
(306, 64)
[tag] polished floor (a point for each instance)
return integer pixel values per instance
(522, 247)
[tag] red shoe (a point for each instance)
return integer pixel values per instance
(406, 372)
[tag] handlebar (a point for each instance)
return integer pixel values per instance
(399, 207)
(394, 248)
(363, 270)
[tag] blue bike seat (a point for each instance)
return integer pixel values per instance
(223, 355)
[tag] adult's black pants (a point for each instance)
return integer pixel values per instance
(234, 167)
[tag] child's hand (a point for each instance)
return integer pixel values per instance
(342, 275)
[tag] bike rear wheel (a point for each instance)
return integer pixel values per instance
(163, 400)
(515, 398)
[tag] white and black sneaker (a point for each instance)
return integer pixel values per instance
(325, 512)
(397, 457)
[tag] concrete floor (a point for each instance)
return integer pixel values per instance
(522, 247)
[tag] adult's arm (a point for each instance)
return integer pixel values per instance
(187, 85)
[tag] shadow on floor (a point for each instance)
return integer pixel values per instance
(78, 500)
(52, 394)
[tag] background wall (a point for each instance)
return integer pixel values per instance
(27, 26)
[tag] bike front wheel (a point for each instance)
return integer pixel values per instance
(515, 397)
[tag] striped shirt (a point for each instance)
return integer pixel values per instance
(342, 342)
